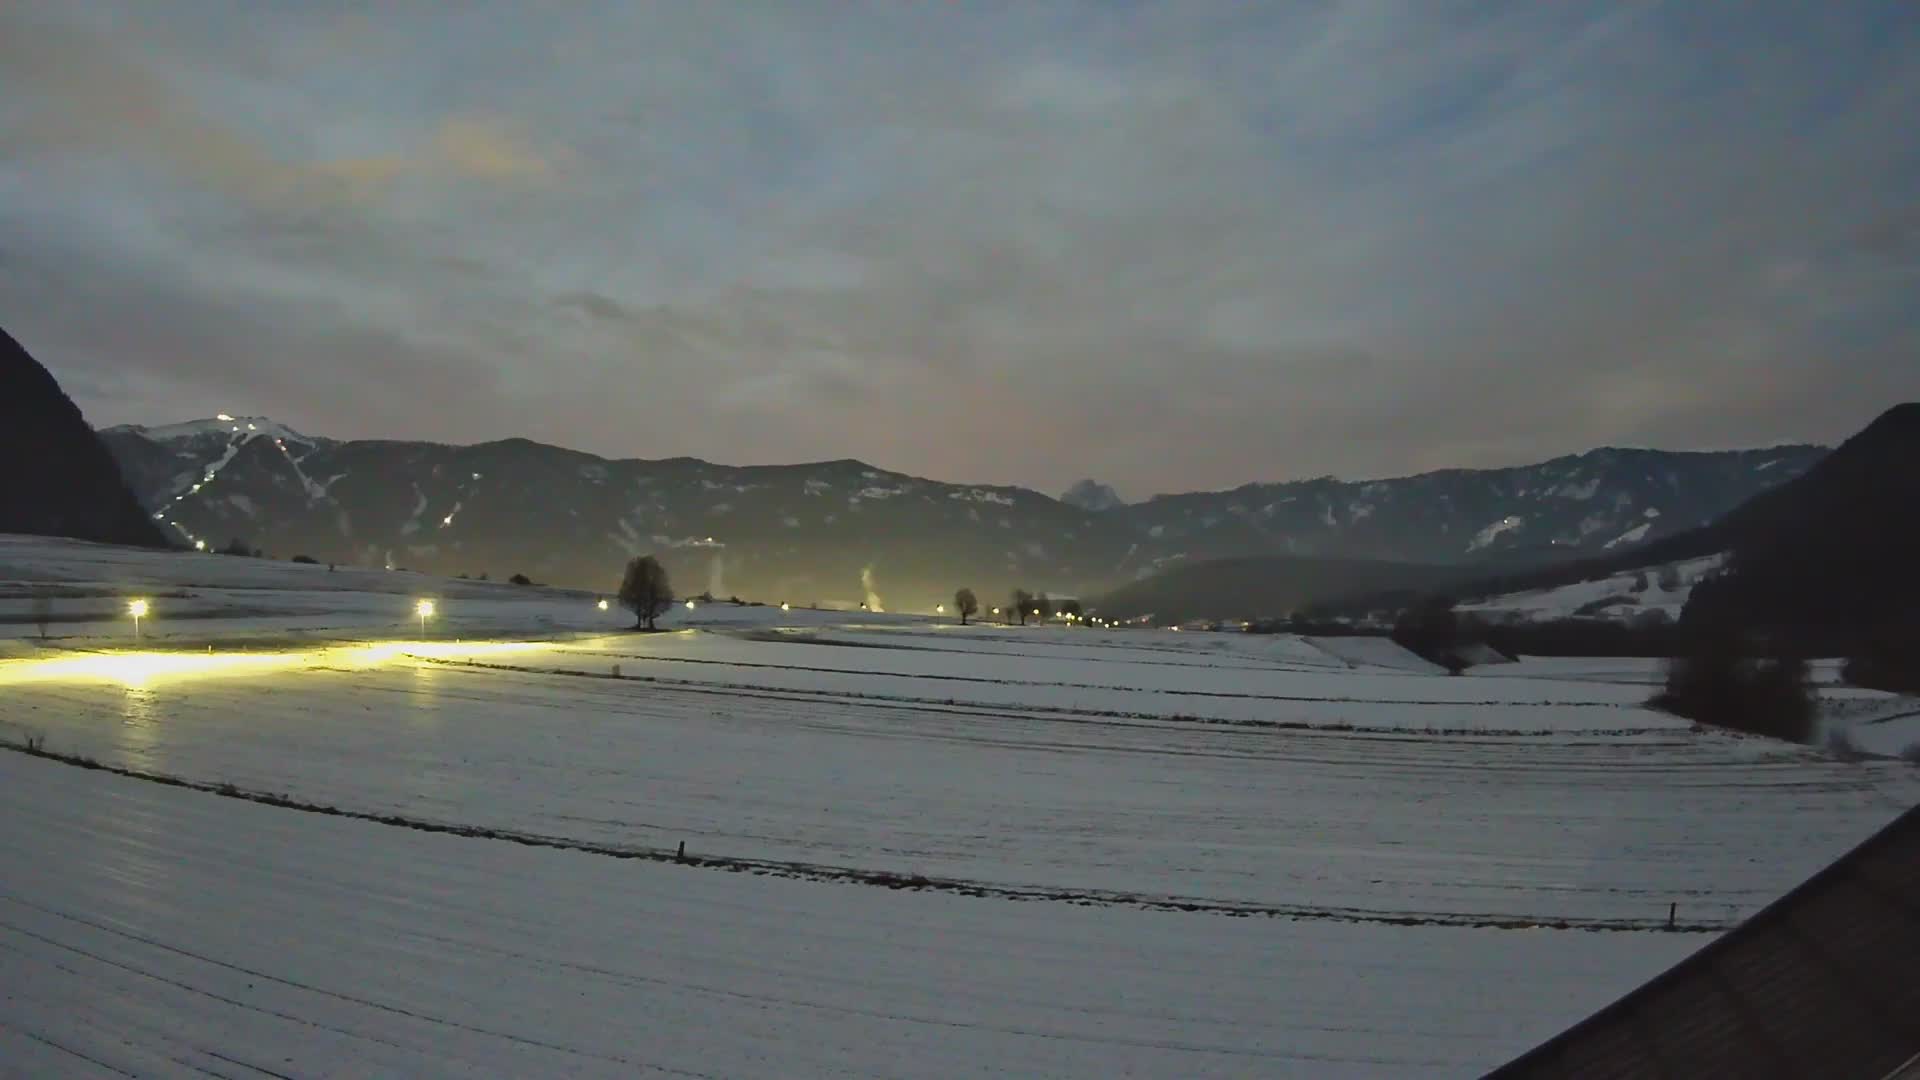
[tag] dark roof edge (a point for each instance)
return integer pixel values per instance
(1540, 1055)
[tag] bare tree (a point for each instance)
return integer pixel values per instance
(645, 590)
(966, 604)
(1022, 601)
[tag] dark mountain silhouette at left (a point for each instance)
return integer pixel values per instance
(58, 479)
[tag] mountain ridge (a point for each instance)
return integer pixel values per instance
(808, 530)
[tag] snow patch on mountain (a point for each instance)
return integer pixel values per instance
(1580, 492)
(1492, 532)
(412, 524)
(1640, 593)
(1631, 536)
(222, 425)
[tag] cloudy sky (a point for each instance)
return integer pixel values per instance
(1168, 245)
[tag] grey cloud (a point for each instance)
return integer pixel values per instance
(1171, 245)
(594, 304)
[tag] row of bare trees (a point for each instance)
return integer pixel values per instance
(1021, 606)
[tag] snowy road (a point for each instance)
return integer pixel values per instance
(152, 931)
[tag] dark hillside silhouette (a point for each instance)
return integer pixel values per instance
(59, 479)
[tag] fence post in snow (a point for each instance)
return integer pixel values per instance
(681, 855)
(1672, 910)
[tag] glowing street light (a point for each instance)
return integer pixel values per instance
(199, 545)
(939, 609)
(784, 606)
(689, 605)
(424, 609)
(602, 605)
(137, 609)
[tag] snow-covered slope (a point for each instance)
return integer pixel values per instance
(1651, 592)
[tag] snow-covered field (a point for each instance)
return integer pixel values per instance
(1431, 873)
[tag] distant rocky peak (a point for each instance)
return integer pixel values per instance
(1091, 495)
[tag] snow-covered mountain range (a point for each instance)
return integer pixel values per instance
(810, 533)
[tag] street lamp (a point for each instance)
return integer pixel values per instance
(602, 605)
(939, 609)
(424, 609)
(137, 609)
(689, 605)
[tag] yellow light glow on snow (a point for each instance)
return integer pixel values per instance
(131, 668)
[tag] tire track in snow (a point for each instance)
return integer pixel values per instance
(957, 707)
(908, 882)
(1235, 695)
(338, 995)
